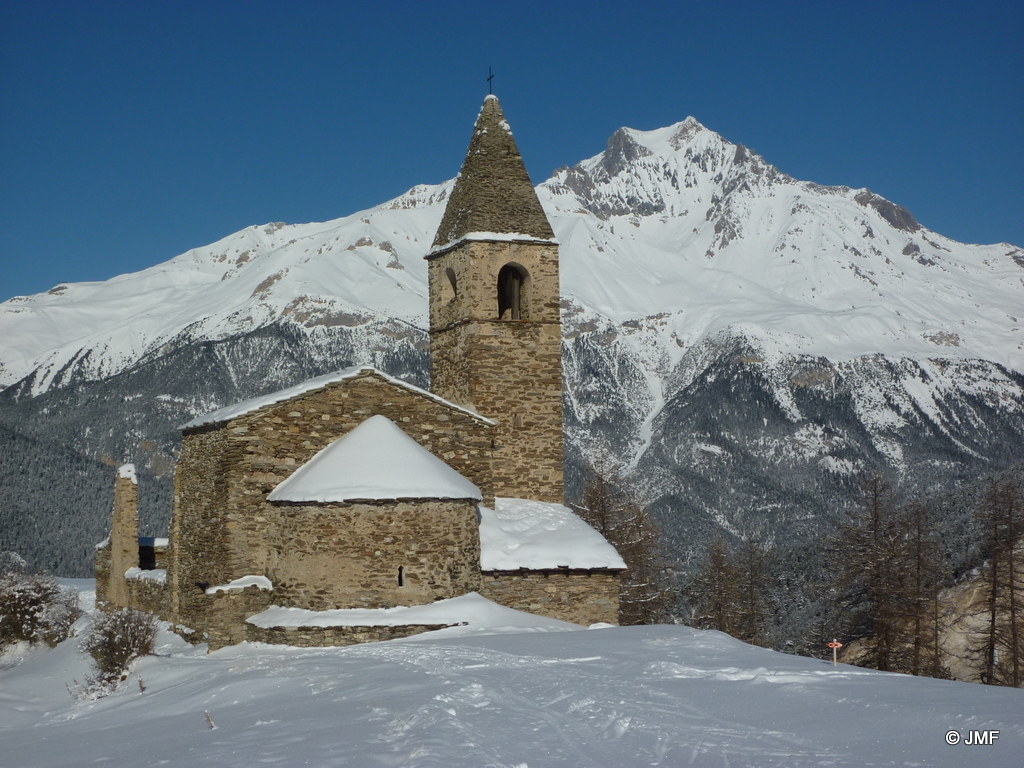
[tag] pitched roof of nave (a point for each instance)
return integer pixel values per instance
(229, 412)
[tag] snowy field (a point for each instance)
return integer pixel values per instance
(511, 696)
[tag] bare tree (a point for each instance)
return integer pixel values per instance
(998, 646)
(888, 568)
(647, 593)
(921, 582)
(869, 557)
(730, 592)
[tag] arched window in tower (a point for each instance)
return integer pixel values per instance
(513, 292)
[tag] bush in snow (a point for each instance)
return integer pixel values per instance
(34, 608)
(117, 638)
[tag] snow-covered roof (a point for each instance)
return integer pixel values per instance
(127, 472)
(471, 609)
(500, 237)
(521, 533)
(229, 412)
(376, 460)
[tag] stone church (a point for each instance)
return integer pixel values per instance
(308, 516)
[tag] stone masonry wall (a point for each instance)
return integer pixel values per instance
(200, 546)
(149, 595)
(102, 571)
(227, 611)
(353, 556)
(507, 370)
(316, 637)
(223, 527)
(475, 265)
(582, 597)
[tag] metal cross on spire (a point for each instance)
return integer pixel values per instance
(490, 76)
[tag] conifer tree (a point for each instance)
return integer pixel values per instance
(714, 591)
(647, 593)
(998, 645)
(869, 557)
(730, 592)
(921, 581)
(751, 566)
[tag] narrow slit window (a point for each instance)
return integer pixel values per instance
(401, 575)
(453, 282)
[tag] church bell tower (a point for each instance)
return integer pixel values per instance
(495, 332)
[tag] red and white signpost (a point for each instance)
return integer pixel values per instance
(835, 645)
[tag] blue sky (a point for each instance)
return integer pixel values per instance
(131, 132)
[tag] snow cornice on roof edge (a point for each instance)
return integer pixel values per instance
(229, 412)
(490, 237)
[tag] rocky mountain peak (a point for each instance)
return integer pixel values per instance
(898, 216)
(623, 150)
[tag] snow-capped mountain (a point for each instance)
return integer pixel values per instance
(680, 220)
(676, 223)
(745, 342)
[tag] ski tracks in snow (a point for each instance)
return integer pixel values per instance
(575, 713)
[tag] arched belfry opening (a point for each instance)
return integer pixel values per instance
(513, 292)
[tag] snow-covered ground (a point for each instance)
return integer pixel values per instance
(536, 696)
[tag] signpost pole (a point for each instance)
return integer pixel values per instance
(835, 645)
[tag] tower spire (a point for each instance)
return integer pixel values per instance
(493, 192)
